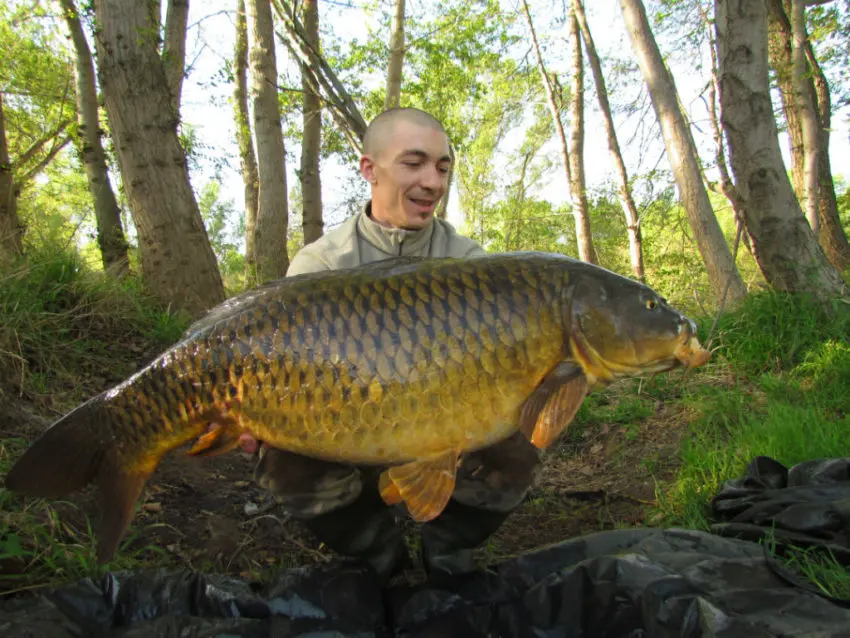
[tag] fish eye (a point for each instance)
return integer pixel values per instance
(651, 304)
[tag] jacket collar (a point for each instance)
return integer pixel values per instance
(393, 241)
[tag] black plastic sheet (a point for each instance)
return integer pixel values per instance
(629, 583)
(805, 506)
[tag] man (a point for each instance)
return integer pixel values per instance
(406, 161)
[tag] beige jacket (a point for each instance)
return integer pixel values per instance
(360, 241)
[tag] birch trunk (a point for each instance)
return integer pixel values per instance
(806, 112)
(831, 237)
(551, 98)
(393, 98)
(311, 183)
(780, 46)
(272, 210)
(110, 233)
(581, 212)
(626, 199)
(178, 263)
(784, 246)
(11, 244)
(247, 158)
(174, 49)
(681, 151)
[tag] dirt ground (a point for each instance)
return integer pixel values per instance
(209, 514)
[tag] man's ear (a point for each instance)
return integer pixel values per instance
(367, 169)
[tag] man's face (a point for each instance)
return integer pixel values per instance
(409, 175)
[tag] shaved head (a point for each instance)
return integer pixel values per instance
(380, 130)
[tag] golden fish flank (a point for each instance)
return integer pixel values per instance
(406, 363)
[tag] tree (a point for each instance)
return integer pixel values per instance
(582, 220)
(682, 154)
(10, 225)
(311, 142)
(627, 201)
(244, 140)
(394, 68)
(272, 210)
(110, 232)
(36, 110)
(178, 264)
(785, 248)
(781, 47)
(174, 49)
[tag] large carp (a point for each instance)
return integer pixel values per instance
(406, 363)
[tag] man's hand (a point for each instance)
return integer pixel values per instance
(249, 444)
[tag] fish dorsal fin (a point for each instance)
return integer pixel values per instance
(424, 486)
(552, 406)
(222, 435)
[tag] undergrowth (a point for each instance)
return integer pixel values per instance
(779, 386)
(67, 330)
(66, 334)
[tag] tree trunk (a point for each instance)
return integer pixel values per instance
(396, 62)
(11, 232)
(247, 158)
(552, 99)
(681, 151)
(626, 199)
(780, 50)
(273, 210)
(831, 237)
(178, 263)
(784, 246)
(780, 46)
(806, 110)
(174, 49)
(577, 186)
(110, 233)
(311, 183)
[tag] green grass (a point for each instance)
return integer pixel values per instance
(66, 333)
(63, 323)
(781, 389)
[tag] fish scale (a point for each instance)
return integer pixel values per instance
(406, 364)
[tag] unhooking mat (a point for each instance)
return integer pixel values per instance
(624, 583)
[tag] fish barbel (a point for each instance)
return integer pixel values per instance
(406, 363)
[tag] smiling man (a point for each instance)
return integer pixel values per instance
(406, 161)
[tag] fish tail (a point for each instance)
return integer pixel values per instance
(76, 450)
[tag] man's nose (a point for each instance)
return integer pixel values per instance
(432, 178)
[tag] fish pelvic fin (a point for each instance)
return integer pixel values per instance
(222, 435)
(65, 458)
(424, 485)
(553, 405)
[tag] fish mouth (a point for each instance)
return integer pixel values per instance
(599, 370)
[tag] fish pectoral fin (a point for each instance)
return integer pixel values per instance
(222, 435)
(424, 486)
(553, 405)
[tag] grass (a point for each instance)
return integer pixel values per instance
(66, 333)
(784, 362)
(63, 324)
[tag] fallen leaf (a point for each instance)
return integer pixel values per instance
(152, 507)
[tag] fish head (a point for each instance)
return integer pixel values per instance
(619, 328)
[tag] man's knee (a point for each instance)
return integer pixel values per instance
(498, 477)
(306, 487)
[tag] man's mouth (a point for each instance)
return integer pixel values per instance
(425, 205)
